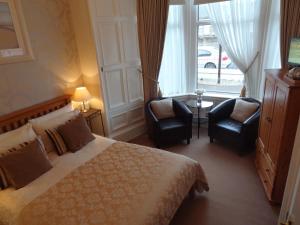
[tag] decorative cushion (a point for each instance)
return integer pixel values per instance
(15, 137)
(163, 109)
(4, 181)
(40, 125)
(243, 110)
(23, 165)
(59, 143)
(76, 133)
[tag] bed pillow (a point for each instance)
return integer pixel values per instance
(15, 137)
(243, 110)
(51, 115)
(163, 108)
(76, 133)
(41, 126)
(23, 165)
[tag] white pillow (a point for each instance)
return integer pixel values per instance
(163, 108)
(243, 110)
(15, 137)
(61, 111)
(41, 125)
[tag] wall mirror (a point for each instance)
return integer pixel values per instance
(14, 41)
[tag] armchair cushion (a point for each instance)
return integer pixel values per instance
(231, 125)
(173, 123)
(163, 109)
(243, 110)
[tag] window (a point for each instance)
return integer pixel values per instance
(215, 71)
(192, 56)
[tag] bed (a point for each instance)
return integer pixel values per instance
(106, 182)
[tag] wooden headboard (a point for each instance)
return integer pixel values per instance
(17, 119)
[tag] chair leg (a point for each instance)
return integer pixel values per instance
(211, 139)
(188, 141)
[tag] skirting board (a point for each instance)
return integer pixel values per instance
(130, 133)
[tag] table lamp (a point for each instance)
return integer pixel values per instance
(82, 95)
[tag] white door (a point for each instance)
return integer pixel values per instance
(290, 210)
(115, 31)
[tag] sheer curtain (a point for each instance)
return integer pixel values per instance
(173, 76)
(239, 26)
(271, 54)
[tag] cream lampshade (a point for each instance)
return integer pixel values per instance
(82, 95)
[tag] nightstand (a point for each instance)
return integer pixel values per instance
(92, 114)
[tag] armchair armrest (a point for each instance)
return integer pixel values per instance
(252, 120)
(181, 110)
(150, 115)
(222, 111)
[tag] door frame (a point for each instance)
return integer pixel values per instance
(292, 184)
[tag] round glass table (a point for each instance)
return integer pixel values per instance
(199, 105)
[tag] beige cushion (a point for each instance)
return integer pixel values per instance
(243, 110)
(13, 138)
(163, 109)
(76, 133)
(24, 165)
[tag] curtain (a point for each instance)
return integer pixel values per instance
(290, 26)
(152, 22)
(239, 25)
(172, 76)
(271, 48)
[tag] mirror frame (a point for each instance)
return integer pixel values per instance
(21, 33)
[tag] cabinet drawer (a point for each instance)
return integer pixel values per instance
(266, 183)
(263, 164)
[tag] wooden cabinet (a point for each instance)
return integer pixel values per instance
(278, 125)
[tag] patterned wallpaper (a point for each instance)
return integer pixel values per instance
(55, 69)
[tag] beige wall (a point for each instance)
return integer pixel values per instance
(87, 54)
(55, 69)
(86, 49)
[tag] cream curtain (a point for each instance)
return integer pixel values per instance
(239, 25)
(290, 27)
(152, 22)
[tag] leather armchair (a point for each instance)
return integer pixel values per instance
(221, 126)
(170, 129)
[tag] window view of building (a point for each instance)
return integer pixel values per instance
(215, 71)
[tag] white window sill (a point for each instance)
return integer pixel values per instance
(219, 95)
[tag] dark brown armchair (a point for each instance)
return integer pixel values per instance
(221, 126)
(170, 129)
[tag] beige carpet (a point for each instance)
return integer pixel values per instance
(236, 196)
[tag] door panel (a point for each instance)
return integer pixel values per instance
(111, 54)
(116, 93)
(105, 8)
(267, 113)
(115, 33)
(277, 125)
(131, 48)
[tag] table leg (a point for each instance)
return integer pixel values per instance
(198, 121)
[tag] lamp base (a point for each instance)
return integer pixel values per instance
(84, 107)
